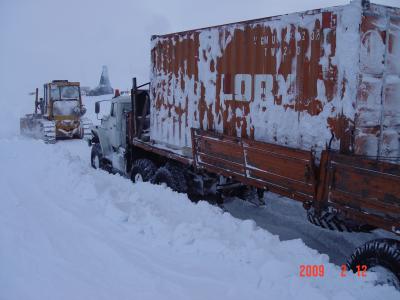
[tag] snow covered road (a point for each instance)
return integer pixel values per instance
(70, 232)
(288, 219)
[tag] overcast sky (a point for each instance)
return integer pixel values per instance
(41, 40)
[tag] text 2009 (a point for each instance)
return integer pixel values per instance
(312, 270)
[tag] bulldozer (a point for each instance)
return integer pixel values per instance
(58, 114)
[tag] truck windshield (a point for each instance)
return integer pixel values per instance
(69, 92)
(64, 93)
(65, 107)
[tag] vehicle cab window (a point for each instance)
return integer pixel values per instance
(55, 93)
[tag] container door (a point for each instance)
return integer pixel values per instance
(369, 98)
(378, 104)
(390, 138)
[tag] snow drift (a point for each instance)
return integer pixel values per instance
(70, 232)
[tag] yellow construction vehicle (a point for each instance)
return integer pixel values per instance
(58, 115)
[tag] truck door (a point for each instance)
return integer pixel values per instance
(112, 126)
(126, 107)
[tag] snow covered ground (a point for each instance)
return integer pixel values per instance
(70, 232)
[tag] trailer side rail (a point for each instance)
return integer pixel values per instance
(362, 189)
(289, 172)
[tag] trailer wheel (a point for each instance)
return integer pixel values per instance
(96, 157)
(381, 256)
(163, 175)
(142, 170)
(331, 221)
(178, 176)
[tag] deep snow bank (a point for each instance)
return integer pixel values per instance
(11, 111)
(70, 232)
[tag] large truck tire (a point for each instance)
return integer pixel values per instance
(178, 175)
(142, 170)
(381, 256)
(163, 175)
(96, 157)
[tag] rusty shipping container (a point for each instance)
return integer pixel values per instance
(291, 80)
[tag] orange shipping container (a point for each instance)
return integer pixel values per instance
(292, 80)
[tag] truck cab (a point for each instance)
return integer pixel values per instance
(62, 104)
(109, 143)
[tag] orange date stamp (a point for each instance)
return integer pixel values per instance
(319, 271)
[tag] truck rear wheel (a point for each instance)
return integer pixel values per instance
(178, 176)
(381, 256)
(142, 170)
(96, 157)
(163, 175)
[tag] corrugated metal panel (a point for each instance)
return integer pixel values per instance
(289, 80)
(372, 69)
(378, 102)
(391, 101)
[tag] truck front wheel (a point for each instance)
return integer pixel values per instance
(381, 256)
(96, 157)
(142, 170)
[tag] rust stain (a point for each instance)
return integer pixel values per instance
(259, 56)
(342, 128)
(176, 56)
(202, 107)
(331, 77)
(298, 63)
(212, 66)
